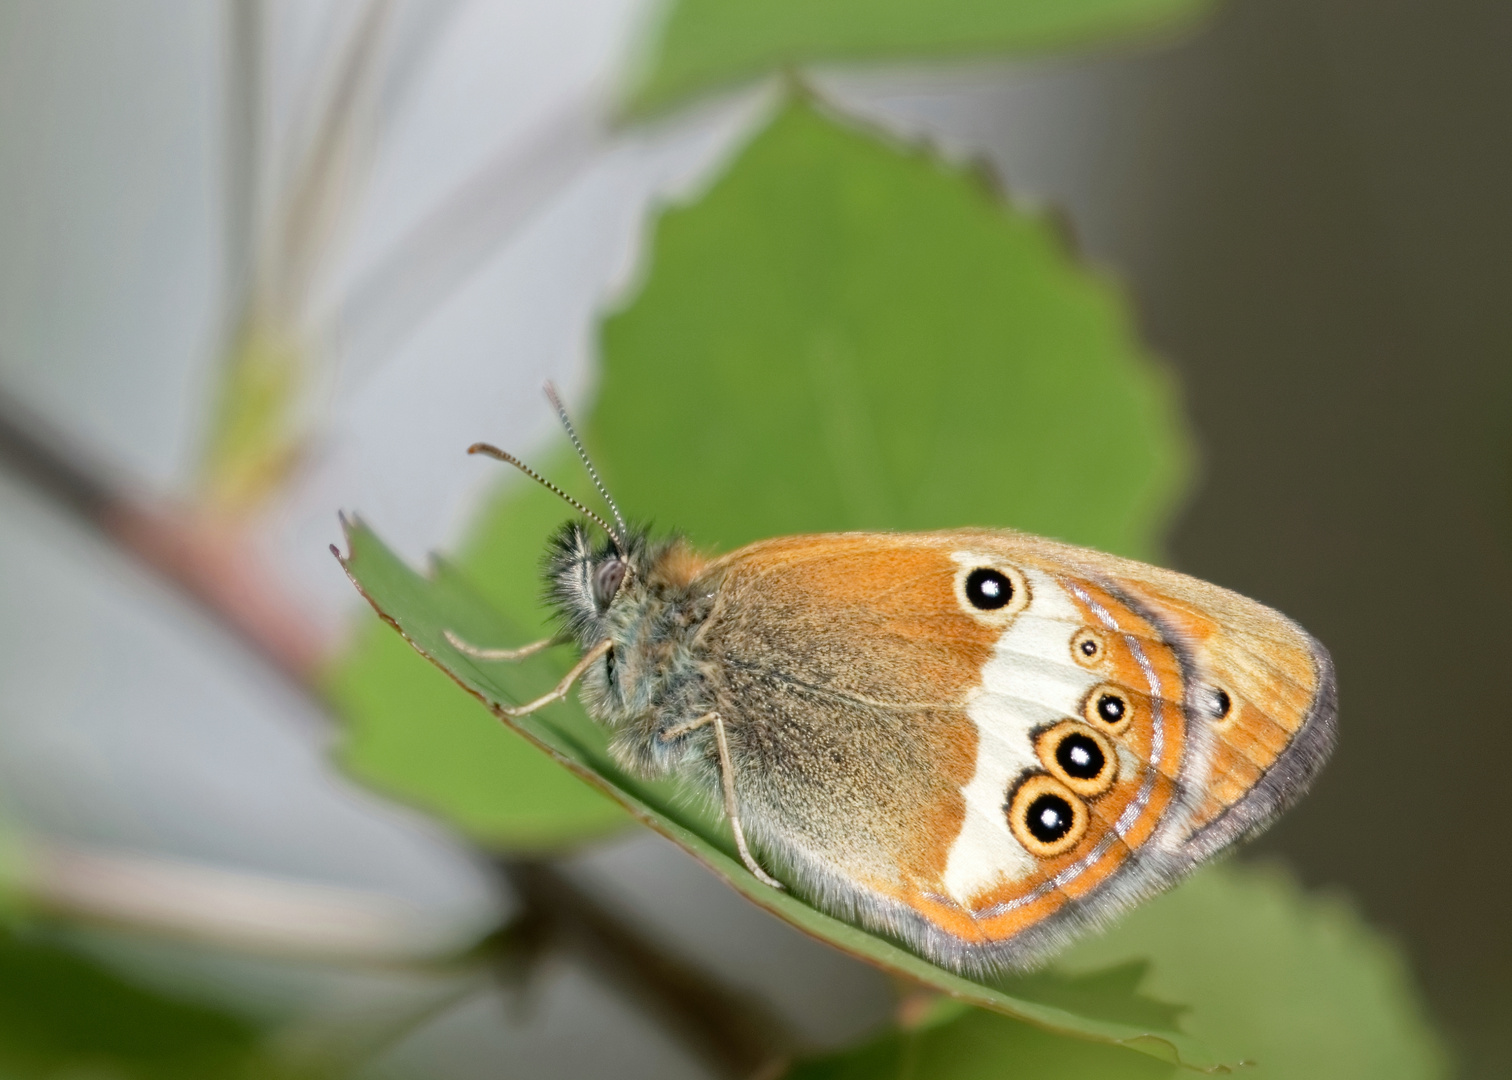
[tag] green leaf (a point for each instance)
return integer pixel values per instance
(423, 609)
(845, 333)
(701, 44)
(1292, 985)
(1297, 985)
(64, 1015)
(410, 734)
(981, 1046)
(1113, 993)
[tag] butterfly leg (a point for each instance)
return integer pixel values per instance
(560, 691)
(727, 782)
(501, 654)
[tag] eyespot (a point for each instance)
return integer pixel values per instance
(1219, 703)
(607, 579)
(1108, 708)
(988, 589)
(989, 593)
(1087, 647)
(1046, 816)
(1078, 757)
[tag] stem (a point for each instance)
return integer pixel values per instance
(205, 556)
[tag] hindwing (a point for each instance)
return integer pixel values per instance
(980, 741)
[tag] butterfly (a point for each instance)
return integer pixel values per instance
(976, 741)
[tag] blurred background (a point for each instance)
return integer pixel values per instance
(263, 261)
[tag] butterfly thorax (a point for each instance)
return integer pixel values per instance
(648, 600)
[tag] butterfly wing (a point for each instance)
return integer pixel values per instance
(981, 774)
(1260, 688)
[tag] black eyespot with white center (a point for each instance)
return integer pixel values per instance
(1045, 816)
(1049, 818)
(988, 589)
(1219, 703)
(1087, 647)
(1079, 756)
(1109, 708)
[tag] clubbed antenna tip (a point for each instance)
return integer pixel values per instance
(489, 450)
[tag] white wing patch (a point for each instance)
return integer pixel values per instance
(1030, 680)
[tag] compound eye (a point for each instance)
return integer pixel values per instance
(1046, 816)
(1079, 757)
(606, 582)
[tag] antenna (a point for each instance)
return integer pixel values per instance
(577, 443)
(510, 459)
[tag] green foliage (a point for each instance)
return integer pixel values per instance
(63, 1015)
(1292, 986)
(1298, 985)
(846, 334)
(982, 1046)
(412, 735)
(706, 43)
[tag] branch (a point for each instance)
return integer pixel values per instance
(207, 557)
(206, 560)
(733, 1033)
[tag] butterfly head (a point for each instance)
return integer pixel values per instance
(585, 579)
(621, 586)
(608, 588)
